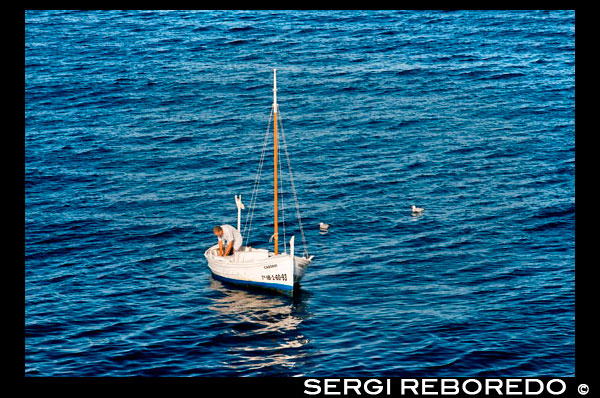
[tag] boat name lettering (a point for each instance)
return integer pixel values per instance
(270, 266)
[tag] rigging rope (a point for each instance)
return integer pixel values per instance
(293, 187)
(250, 214)
(281, 196)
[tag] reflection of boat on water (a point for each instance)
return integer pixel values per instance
(266, 312)
(262, 331)
(257, 267)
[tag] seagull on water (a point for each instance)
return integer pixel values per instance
(416, 209)
(323, 227)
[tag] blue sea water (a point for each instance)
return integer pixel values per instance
(141, 126)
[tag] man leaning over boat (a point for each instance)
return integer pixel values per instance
(230, 239)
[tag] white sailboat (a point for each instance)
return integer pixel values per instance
(258, 267)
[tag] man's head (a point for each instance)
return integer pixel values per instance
(218, 231)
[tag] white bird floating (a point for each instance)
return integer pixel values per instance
(323, 227)
(416, 209)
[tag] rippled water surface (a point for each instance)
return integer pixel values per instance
(140, 127)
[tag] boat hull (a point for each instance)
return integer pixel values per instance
(258, 268)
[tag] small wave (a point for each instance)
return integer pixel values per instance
(546, 226)
(555, 212)
(405, 123)
(201, 28)
(240, 29)
(473, 73)
(45, 329)
(415, 165)
(237, 42)
(504, 76)
(409, 71)
(485, 360)
(184, 139)
(60, 278)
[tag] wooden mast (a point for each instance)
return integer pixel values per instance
(275, 156)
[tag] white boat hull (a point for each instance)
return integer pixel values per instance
(258, 268)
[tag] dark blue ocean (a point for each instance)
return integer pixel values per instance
(141, 126)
